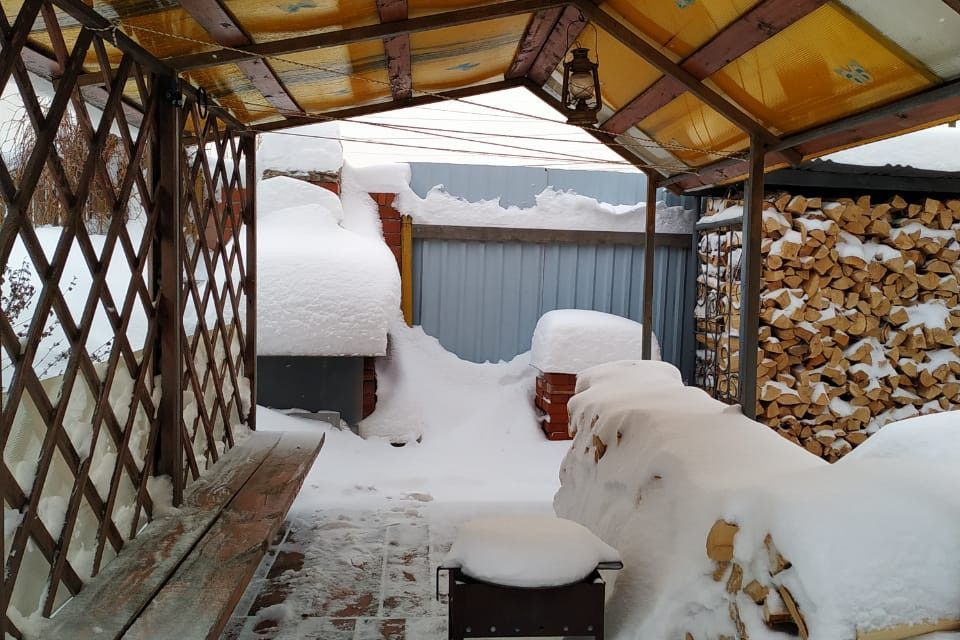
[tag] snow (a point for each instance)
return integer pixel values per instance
(933, 149)
(553, 210)
(672, 451)
(324, 290)
(571, 340)
(931, 314)
(932, 439)
(378, 178)
(871, 539)
(528, 551)
(301, 150)
(459, 420)
(282, 192)
(734, 212)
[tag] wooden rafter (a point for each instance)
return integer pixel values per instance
(567, 29)
(224, 28)
(690, 82)
(397, 50)
(756, 26)
(353, 35)
(381, 107)
(538, 30)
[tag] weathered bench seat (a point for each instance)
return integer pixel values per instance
(183, 575)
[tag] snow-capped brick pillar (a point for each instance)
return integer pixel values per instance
(390, 219)
(552, 393)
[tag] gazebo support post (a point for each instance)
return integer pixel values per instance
(166, 160)
(648, 265)
(750, 278)
(248, 143)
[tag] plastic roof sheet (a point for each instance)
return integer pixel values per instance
(844, 57)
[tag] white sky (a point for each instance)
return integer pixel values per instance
(542, 136)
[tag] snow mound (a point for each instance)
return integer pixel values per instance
(933, 149)
(571, 340)
(554, 209)
(871, 540)
(379, 178)
(281, 192)
(528, 551)
(324, 290)
(300, 151)
(934, 438)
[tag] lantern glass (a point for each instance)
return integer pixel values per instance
(581, 85)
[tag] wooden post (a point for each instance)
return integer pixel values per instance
(169, 311)
(249, 146)
(649, 244)
(750, 279)
(406, 269)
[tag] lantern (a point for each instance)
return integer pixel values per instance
(581, 88)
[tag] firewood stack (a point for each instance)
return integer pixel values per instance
(859, 320)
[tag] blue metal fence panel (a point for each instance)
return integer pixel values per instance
(482, 300)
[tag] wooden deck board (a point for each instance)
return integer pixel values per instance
(198, 600)
(107, 605)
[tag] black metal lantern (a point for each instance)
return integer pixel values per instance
(581, 88)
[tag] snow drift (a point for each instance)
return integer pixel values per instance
(866, 544)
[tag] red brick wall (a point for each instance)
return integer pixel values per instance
(552, 393)
(390, 219)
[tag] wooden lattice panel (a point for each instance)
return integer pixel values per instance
(93, 364)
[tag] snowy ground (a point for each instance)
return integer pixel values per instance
(373, 521)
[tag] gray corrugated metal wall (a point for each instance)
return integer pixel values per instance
(517, 186)
(482, 300)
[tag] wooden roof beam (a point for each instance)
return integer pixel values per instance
(538, 31)
(567, 29)
(392, 105)
(690, 82)
(932, 105)
(762, 22)
(363, 33)
(397, 50)
(224, 28)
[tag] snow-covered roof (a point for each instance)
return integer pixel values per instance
(933, 149)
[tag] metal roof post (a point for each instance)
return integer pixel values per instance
(750, 278)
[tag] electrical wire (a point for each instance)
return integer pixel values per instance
(118, 24)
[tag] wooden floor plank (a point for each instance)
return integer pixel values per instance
(198, 600)
(107, 605)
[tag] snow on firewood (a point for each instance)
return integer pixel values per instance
(725, 528)
(570, 340)
(301, 151)
(528, 551)
(325, 291)
(859, 300)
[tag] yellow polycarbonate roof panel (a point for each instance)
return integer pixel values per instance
(681, 26)
(335, 77)
(166, 33)
(464, 55)
(232, 89)
(930, 34)
(623, 74)
(686, 125)
(425, 7)
(820, 68)
(266, 21)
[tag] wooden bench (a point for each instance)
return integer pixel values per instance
(184, 574)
